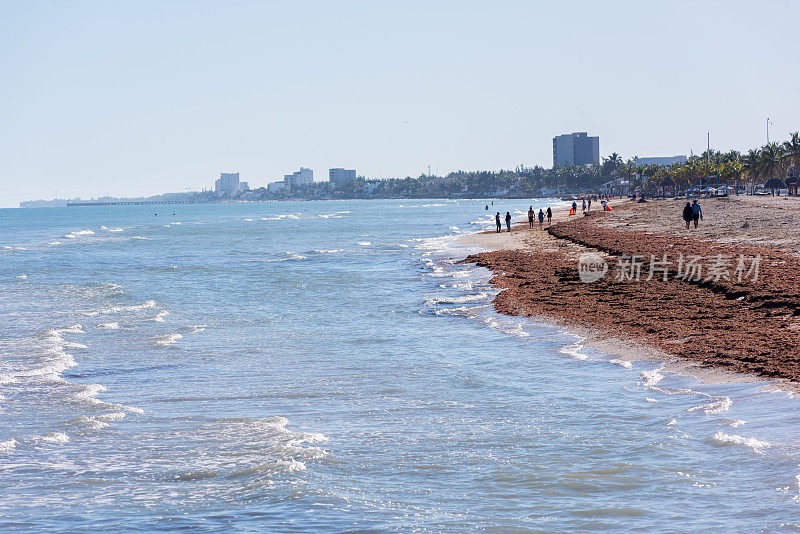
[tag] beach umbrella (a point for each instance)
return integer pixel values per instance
(774, 183)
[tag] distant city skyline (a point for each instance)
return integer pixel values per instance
(140, 98)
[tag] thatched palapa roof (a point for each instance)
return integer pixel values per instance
(774, 183)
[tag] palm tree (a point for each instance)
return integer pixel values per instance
(751, 163)
(771, 160)
(791, 149)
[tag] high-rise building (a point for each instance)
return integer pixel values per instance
(229, 183)
(302, 177)
(340, 176)
(576, 149)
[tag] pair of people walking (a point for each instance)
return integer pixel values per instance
(499, 224)
(532, 216)
(692, 213)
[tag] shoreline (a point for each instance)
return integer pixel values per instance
(537, 274)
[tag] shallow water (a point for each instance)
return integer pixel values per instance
(325, 366)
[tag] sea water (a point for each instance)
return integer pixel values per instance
(327, 366)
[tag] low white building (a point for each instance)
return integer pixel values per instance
(664, 161)
(302, 177)
(276, 187)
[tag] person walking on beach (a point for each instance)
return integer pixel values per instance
(688, 214)
(508, 220)
(584, 204)
(590, 205)
(497, 220)
(574, 207)
(541, 218)
(549, 215)
(530, 216)
(697, 213)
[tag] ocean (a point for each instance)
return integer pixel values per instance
(328, 366)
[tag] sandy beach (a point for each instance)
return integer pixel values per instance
(721, 320)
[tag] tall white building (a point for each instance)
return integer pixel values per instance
(302, 177)
(576, 149)
(340, 176)
(229, 183)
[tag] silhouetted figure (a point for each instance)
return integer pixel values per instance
(508, 220)
(497, 220)
(590, 205)
(584, 204)
(549, 214)
(688, 214)
(530, 217)
(541, 218)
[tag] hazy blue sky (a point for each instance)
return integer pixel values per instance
(143, 97)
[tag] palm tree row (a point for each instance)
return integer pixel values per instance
(773, 161)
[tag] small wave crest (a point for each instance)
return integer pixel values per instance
(722, 439)
(167, 340)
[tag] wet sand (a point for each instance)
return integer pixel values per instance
(740, 326)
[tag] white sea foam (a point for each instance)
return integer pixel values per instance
(8, 445)
(717, 405)
(248, 220)
(159, 317)
(623, 363)
(462, 273)
(115, 230)
(574, 351)
(90, 422)
(116, 309)
(363, 243)
(54, 243)
(75, 235)
(166, 341)
(54, 437)
(108, 326)
(734, 423)
(87, 394)
(515, 330)
(652, 377)
(732, 439)
(194, 328)
(463, 311)
(476, 297)
(23, 277)
(324, 251)
(289, 257)
(111, 416)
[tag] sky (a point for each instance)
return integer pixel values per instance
(141, 97)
